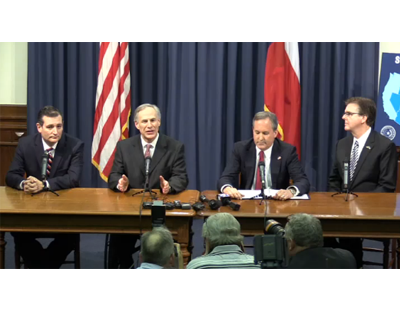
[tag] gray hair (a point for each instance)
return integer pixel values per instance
(222, 229)
(157, 246)
(144, 106)
(305, 230)
(264, 115)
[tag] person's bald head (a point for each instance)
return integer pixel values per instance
(157, 246)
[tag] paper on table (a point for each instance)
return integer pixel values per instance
(255, 194)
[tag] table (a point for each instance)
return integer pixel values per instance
(370, 215)
(90, 210)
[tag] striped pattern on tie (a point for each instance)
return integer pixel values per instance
(353, 160)
(50, 162)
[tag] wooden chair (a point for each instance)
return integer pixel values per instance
(178, 256)
(76, 261)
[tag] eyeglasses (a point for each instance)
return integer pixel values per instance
(350, 113)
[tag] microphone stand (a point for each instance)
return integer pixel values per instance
(347, 192)
(147, 189)
(45, 188)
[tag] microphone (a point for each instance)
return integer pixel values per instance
(261, 165)
(45, 160)
(213, 204)
(147, 161)
(346, 165)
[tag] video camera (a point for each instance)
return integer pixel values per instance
(271, 249)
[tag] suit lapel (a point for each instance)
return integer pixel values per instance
(138, 154)
(250, 164)
(275, 164)
(159, 152)
(369, 145)
(58, 155)
(39, 150)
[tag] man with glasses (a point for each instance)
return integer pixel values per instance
(372, 159)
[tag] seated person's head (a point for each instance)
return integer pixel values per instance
(303, 231)
(157, 247)
(221, 229)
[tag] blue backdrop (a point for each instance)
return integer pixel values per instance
(207, 94)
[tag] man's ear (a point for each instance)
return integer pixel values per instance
(39, 128)
(291, 245)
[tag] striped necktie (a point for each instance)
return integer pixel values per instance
(50, 162)
(353, 160)
(147, 153)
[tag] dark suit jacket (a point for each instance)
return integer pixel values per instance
(168, 160)
(66, 168)
(376, 169)
(323, 258)
(285, 165)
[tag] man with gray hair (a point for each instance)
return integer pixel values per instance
(224, 245)
(167, 171)
(304, 236)
(281, 163)
(157, 250)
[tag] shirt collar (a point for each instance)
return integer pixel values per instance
(226, 248)
(267, 153)
(363, 139)
(154, 143)
(150, 266)
(46, 146)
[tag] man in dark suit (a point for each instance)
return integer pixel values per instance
(167, 171)
(304, 236)
(281, 162)
(372, 158)
(64, 170)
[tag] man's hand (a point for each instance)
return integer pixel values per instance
(232, 192)
(123, 183)
(32, 185)
(283, 194)
(165, 188)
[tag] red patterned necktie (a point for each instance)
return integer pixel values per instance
(50, 162)
(258, 180)
(147, 153)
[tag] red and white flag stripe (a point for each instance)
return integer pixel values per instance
(282, 94)
(113, 105)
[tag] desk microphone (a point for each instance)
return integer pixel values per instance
(147, 161)
(261, 165)
(45, 161)
(213, 204)
(346, 173)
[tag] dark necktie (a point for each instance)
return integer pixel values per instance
(50, 162)
(258, 180)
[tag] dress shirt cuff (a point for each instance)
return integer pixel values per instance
(225, 186)
(47, 184)
(21, 185)
(294, 187)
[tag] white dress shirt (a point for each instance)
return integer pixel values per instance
(361, 142)
(154, 143)
(267, 160)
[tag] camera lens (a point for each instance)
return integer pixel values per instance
(273, 227)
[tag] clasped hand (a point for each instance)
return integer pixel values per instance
(32, 185)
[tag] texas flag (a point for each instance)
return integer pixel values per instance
(282, 90)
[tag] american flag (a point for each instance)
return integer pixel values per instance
(113, 105)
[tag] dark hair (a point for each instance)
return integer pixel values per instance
(48, 111)
(366, 107)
